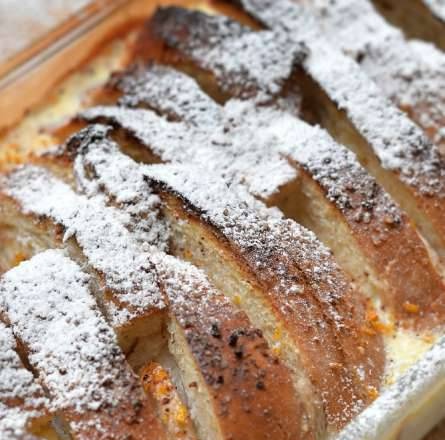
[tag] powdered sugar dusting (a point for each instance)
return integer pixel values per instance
(251, 136)
(108, 246)
(21, 398)
(228, 149)
(100, 167)
(397, 142)
(216, 44)
(70, 344)
(409, 72)
(163, 88)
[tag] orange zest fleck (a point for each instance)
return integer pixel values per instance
(373, 392)
(237, 300)
(411, 308)
(18, 258)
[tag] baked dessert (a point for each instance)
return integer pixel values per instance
(305, 183)
(162, 231)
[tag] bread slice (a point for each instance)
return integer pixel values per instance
(194, 309)
(409, 72)
(231, 243)
(423, 19)
(301, 165)
(73, 350)
(352, 108)
(226, 365)
(23, 404)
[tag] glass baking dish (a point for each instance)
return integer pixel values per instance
(407, 409)
(28, 76)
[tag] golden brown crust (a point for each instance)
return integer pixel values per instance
(299, 314)
(240, 372)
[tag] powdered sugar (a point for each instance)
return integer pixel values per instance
(251, 136)
(70, 345)
(267, 57)
(21, 398)
(397, 142)
(107, 245)
(100, 167)
(228, 149)
(409, 72)
(176, 94)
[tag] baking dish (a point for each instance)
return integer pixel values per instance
(406, 409)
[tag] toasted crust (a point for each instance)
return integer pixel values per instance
(108, 398)
(235, 364)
